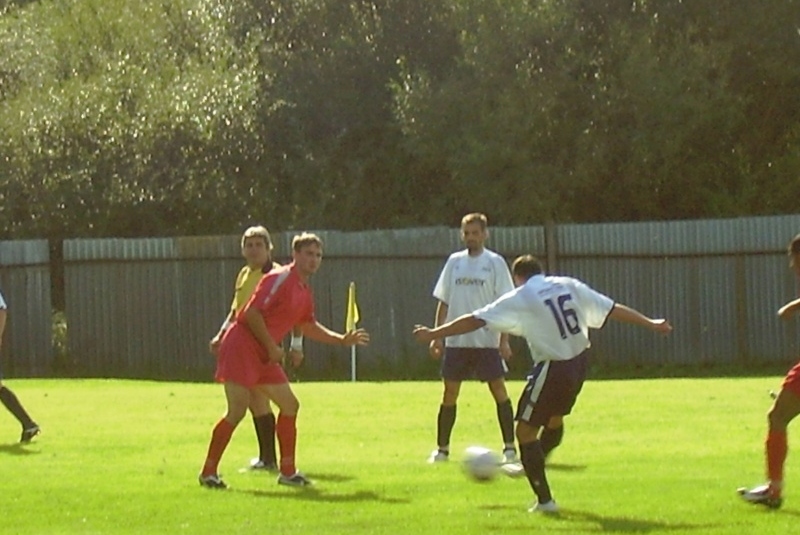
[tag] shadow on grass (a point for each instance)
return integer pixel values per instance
(565, 520)
(333, 478)
(787, 512)
(315, 494)
(17, 449)
(563, 467)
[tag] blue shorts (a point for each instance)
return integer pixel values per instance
(552, 390)
(462, 363)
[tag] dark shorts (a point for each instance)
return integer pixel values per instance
(792, 380)
(552, 389)
(462, 363)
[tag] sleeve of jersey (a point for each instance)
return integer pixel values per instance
(503, 282)
(236, 286)
(500, 316)
(262, 299)
(3, 305)
(596, 306)
(442, 289)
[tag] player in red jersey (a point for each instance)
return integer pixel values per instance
(784, 409)
(250, 356)
(257, 252)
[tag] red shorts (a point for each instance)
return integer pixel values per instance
(239, 363)
(792, 380)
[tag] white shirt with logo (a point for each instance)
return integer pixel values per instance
(554, 314)
(467, 283)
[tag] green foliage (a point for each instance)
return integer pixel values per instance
(200, 116)
(143, 123)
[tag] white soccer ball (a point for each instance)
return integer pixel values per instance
(481, 463)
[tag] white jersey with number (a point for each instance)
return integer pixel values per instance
(554, 314)
(470, 282)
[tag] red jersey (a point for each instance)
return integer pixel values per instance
(284, 301)
(283, 307)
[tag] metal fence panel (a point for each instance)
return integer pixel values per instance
(148, 307)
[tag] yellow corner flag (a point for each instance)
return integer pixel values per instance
(352, 308)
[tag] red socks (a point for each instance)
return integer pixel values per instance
(286, 430)
(220, 437)
(777, 447)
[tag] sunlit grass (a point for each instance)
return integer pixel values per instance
(639, 456)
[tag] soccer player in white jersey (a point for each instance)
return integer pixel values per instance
(554, 315)
(8, 398)
(470, 279)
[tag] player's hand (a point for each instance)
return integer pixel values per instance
(661, 326)
(356, 337)
(505, 351)
(276, 354)
(295, 358)
(436, 349)
(213, 345)
(422, 334)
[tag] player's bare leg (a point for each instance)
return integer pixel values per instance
(505, 417)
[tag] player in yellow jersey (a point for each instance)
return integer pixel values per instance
(257, 252)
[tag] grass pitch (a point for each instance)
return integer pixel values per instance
(639, 456)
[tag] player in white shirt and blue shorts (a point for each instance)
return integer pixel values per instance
(9, 400)
(470, 279)
(554, 315)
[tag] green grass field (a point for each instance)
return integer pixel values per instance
(639, 456)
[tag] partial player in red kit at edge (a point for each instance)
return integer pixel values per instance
(783, 411)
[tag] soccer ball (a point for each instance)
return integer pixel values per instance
(481, 463)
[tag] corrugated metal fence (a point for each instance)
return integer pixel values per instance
(147, 307)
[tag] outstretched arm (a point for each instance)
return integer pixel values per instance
(629, 315)
(318, 332)
(789, 308)
(461, 325)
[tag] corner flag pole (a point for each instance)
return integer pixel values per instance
(350, 324)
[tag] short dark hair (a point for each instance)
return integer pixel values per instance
(794, 245)
(526, 266)
(257, 232)
(304, 239)
(475, 217)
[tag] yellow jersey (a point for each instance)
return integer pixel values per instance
(246, 282)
